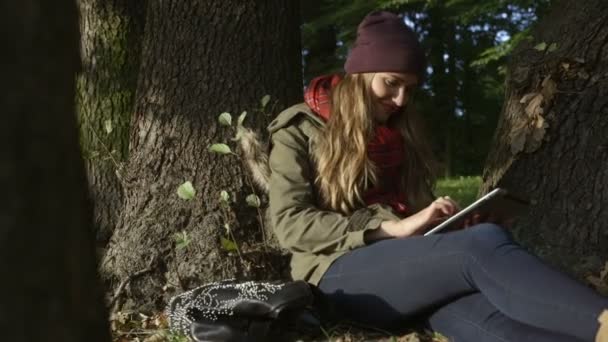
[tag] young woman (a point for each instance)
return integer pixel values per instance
(351, 193)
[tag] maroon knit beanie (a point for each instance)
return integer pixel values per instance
(385, 44)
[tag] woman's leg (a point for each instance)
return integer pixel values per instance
(473, 318)
(397, 278)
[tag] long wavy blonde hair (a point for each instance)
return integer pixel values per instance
(344, 170)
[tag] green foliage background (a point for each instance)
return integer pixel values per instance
(467, 42)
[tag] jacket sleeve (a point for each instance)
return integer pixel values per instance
(299, 224)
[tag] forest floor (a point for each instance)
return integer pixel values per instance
(138, 327)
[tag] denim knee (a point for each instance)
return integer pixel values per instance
(487, 237)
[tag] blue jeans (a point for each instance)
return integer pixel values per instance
(470, 285)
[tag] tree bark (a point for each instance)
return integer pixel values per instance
(50, 291)
(112, 32)
(441, 41)
(200, 58)
(565, 170)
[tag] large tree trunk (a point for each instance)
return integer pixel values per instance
(200, 58)
(50, 291)
(112, 32)
(441, 41)
(563, 169)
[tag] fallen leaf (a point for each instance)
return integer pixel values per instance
(549, 89)
(604, 273)
(186, 191)
(534, 107)
(552, 47)
(518, 139)
(526, 98)
(541, 47)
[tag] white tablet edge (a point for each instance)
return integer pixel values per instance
(465, 211)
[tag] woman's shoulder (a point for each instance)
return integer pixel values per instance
(297, 118)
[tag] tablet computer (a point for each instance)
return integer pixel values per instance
(497, 202)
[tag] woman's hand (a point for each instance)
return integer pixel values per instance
(436, 212)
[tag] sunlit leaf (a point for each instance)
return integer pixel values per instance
(220, 148)
(228, 245)
(253, 201)
(224, 196)
(182, 240)
(241, 118)
(541, 47)
(552, 47)
(186, 191)
(108, 126)
(264, 101)
(225, 119)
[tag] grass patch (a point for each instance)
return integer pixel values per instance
(462, 189)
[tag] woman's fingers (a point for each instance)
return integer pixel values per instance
(454, 203)
(447, 205)
(476, 218)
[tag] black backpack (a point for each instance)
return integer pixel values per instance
(251, 311)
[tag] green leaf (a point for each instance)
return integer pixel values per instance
(552, 47)
(108, 126)
(241, 118)
(227, 227)
(253, 201)
(225, 119)
(228, 245)
(225, 197)
(264, 101)
(186, 191)
(182, 240)
(220, 148)
(541, 47)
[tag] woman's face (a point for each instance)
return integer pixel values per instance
(390, 92)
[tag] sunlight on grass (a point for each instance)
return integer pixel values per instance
(462, 189)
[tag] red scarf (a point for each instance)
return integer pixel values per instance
(385, 149)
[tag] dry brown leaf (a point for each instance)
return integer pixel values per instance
(413, 337)
(535, 139)
(604, 273)
(156, 338)
(518, 137)
(534, 107)
(527, 97)
(549, 89)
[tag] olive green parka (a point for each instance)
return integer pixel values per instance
(316, 237)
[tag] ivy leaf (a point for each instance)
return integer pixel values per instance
(241, 118)
(253, 201)
(182, 240)
(541, 47)
(225, 119)
(228, 245)
(108, 126)
(552, 47)
(225, 198)
(264, 101)
(220, 148)
(186, 191)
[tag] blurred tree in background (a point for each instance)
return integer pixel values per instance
(466, 42)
